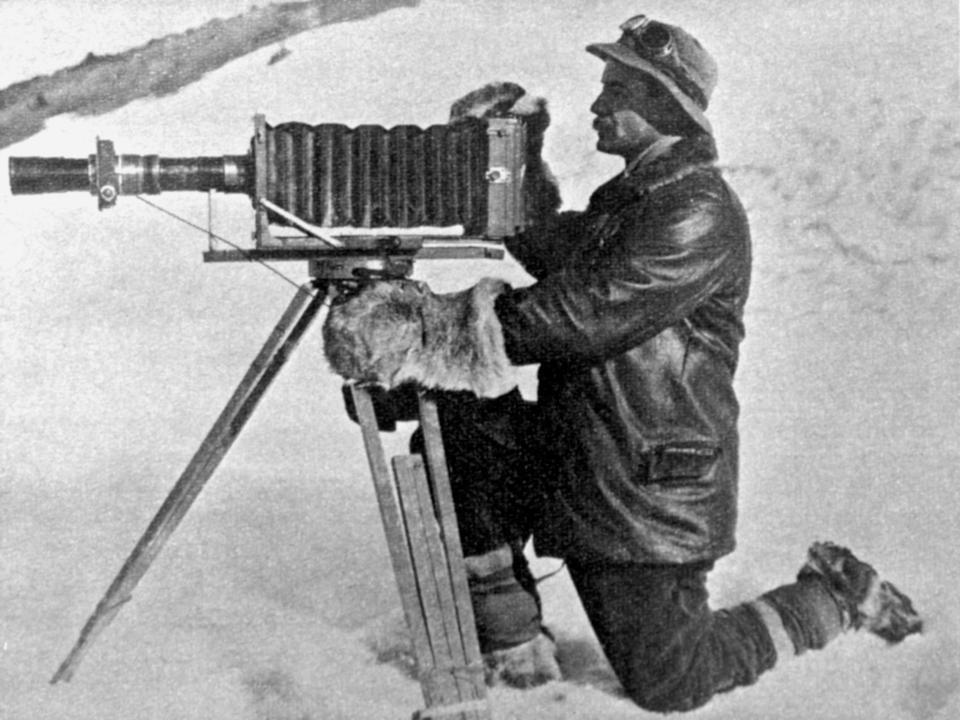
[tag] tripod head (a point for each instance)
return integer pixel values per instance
(366, 201)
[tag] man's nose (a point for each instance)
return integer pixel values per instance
(599, 106)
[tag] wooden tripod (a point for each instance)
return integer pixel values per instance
(416, 507)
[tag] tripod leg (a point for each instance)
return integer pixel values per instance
(446, 515)
(420, 525)
(437, 498)
(393, 524)
(283, 339)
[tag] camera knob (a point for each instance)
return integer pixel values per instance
(498, 175)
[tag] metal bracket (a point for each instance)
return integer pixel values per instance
(309, 228)
(107, 186)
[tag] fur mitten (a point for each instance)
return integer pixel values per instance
(391, 333)
(501, 99)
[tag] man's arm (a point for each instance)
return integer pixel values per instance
(686, 247)
(543, 247)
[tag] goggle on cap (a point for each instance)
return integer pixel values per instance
(671, 55)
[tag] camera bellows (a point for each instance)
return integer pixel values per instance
(369, 176)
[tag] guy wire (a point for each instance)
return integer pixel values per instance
(246, 254)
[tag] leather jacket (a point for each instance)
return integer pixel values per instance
(635, 319)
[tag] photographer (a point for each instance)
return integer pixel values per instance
(626, 466)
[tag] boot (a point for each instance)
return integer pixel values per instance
(517, 650)
(526, 665)
(865, 600)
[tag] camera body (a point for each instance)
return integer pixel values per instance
(368, 192)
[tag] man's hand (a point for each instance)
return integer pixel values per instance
(391, 333)
(505, 99)
(494, 99)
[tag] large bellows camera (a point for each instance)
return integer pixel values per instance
(353, 190)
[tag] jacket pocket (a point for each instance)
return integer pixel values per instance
(681, 460)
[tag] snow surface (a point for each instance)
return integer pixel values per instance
(274, 600)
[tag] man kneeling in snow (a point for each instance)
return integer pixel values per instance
(626, 466)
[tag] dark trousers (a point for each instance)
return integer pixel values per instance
(669, 649)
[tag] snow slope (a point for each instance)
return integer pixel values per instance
(837, 122)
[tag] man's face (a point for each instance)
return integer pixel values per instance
(627, 99)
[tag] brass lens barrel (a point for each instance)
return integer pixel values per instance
(136, 174)
(36, 175)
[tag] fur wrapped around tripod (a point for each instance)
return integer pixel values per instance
(391, 333)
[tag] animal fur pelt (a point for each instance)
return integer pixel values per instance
(391, 333)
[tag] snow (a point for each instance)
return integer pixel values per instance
(837, 122)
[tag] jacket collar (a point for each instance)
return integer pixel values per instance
(679, 160)
(660, 147)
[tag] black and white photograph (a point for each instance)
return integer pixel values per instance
(479, 360)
